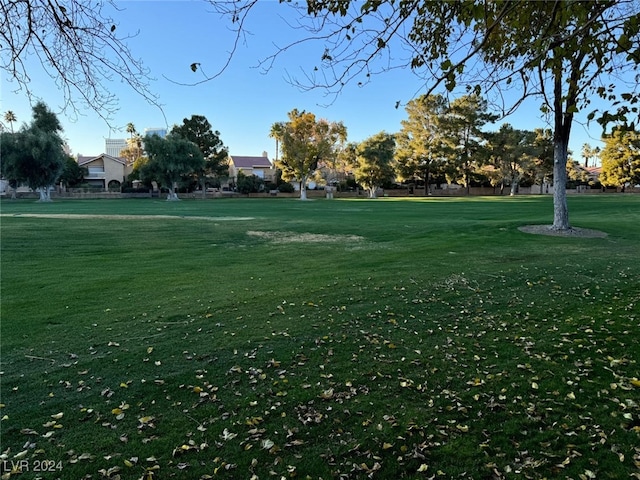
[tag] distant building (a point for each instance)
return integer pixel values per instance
(161, 132)
(113, 146)
(105, 171)
(593, 173)
(258, 166)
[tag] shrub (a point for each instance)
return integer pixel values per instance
(286, 188)
(249, 183)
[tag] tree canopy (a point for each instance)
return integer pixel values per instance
(511, 155)
(199, 131)
(374, 162)
(35, 155)
(306, 142)
(466, 117)
(170, 160)
(420, 142)
(563, 53)
(621, 159)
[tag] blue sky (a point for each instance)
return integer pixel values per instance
(244, 101)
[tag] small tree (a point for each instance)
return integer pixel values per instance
(306, 142)
(621, 159)
(35, 155)
(72, 173)
(249, 183)
(170, 160)
(511, 154)
(375, 156)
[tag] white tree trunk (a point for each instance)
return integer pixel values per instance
(372, 192)
(45, 194)
(172, 196)
(303, 189)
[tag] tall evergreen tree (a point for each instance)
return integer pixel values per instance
(420, 142)
(199, 131)
(463, 124)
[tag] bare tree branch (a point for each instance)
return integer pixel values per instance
(78, 46)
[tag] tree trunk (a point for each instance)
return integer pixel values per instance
(303, 189)
(514, 189)
(563, 117)
(45, 194)
(173, 195)
(560, 209)
(427, 178)
(372, 192)
(204, 188)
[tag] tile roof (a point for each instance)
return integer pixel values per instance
(250, 162)
(84, 159)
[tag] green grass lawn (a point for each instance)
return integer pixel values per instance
(273, 338)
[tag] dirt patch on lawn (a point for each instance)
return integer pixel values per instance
(293, 237)
(573, 232)
(81, 216)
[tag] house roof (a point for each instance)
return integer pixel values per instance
(250, 162)
(82, 160)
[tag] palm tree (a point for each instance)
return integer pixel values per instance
(10, 117)
(131, 128)
(589, 153)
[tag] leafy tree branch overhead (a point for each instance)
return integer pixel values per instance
(563, 53)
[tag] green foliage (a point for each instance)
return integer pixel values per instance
(72, 174)
(198, 130)
(511, 156)
(249, 183)
(286, 187)
(34, 155)
(374, 157)
(421, 145)
(306, 144)
(621, 159)
(206, 351)
(465, 118)
(170, 160)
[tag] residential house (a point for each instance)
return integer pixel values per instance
(593, 174)
(259, 166)
(105, 171)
